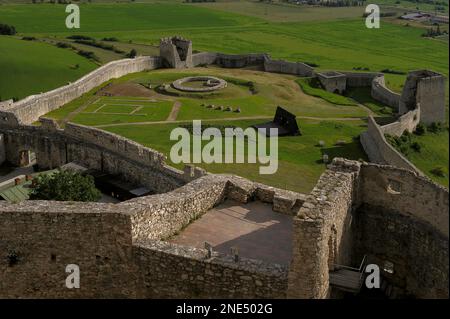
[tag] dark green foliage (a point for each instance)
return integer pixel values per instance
(420, 129)
(435, 127)
(132, 54)
(88, 54)
(6, 29)
(438, 171)
(405, 143)
(111, 39)
(65, 186)
(80, 37)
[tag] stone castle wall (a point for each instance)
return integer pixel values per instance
(96, 149)
(53, 235)
(198, 276)
(323, 232)
(120, 255)
(403, 219)
(244, 60)
(29, 109)
(286, 67)
(431, 98)
(378, 148)
(381, 93)
(119, 259)
(2, 149)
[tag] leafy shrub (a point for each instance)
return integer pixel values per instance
(79, 37)
(6, 29)
(420, 129)
(416, 146)
(435, 127)
(111, 39)
(65, 186)
(438, 171)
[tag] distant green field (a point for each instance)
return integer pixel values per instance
(300, 162)
(341, 44)
(27, 67)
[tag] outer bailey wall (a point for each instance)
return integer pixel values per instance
(323, 233)
(406, 227)
(286, 67)
(29, 110)
(381, 93)
(48, 236)
(172, 271)
(379, 150)
(355, 79)
(233, 61)
(406, 122)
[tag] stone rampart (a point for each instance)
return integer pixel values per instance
(381, 93)
(356, 79)
(378, 148)
(29, 109)
(286, 67)
(323, 232)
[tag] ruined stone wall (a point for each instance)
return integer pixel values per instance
(323, 232)
(379, 150)
(431, 98)
(96, 149)
(158, 217)
(286, 67)
(406, 122)
(2, 149)
(381, 93)
(111, 245)
(334, 82)
(45, 237)
(407, 192)
(403, 218)
(240, 60)
(204, 58)
(172, 271)
(29, 109)
(355, 79)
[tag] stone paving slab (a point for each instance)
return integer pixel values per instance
(254, 228)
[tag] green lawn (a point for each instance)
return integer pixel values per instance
(273, 90)
(299, 156)
(27, 67)
(340, 44)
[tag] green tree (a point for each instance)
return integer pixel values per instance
(65, 186)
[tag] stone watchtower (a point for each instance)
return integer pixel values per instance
(176, 52)
(427, 90)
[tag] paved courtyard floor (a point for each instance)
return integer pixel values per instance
(254, 228)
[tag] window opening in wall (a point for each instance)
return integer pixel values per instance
(388, 267)
(394, 187)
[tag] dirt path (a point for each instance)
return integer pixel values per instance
(174, 113)
(233, 119)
